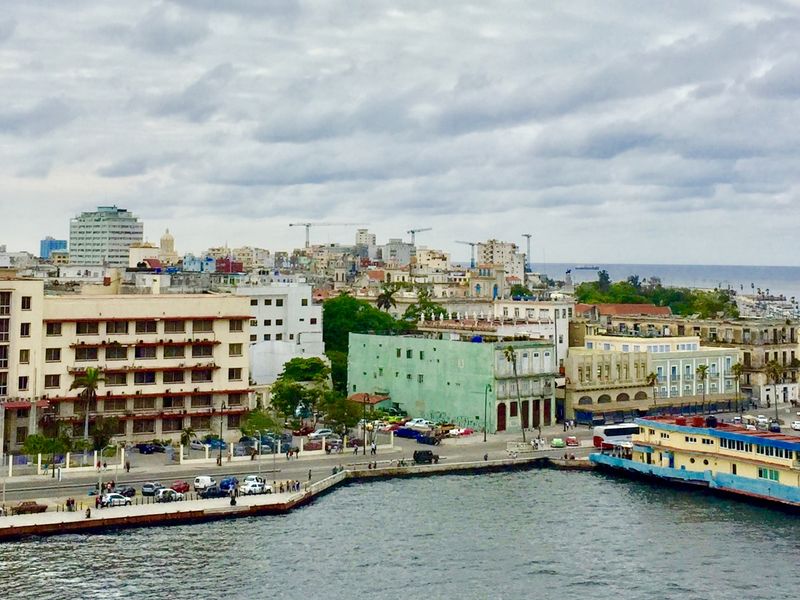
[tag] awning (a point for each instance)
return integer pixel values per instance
(645, 449)
(24, 404)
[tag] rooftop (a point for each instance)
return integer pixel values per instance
(740, 431)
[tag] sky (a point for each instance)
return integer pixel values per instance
(611, 131)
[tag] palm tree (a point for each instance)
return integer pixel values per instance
(187, 435)
(702, 374)
(89, 381)
(774, 372)
(386, 299)
(737, 371)
(652, 379)
(511, 357)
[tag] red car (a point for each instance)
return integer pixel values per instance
(180, 486)
(573, 441)
(303, 431)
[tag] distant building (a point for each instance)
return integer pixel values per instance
(104, 236)
(140, 253)
(48, 244)
(167, 254)
(365, 238)
(59, 257)
(506, 254)
(228, 265)
(196, 264)
(252, 258)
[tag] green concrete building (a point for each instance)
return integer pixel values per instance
(462, 382)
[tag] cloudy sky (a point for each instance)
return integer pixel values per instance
(611, 132)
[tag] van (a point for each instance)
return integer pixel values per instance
(202, 482)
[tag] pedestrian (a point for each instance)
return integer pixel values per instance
(373, 449)
(88, 513)
(97, 502)
(288, 453)
(105, 466)
(565, 424)
(127, 466)
(309, 474)
(486, 456)
(355, 450)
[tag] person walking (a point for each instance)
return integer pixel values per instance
(127, 466)
(309, 474)
(373, 449)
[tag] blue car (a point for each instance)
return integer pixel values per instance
(228, 484)
(145, 448)
(407, 432)
(216, 444)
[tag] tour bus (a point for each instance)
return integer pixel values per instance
(606, 435)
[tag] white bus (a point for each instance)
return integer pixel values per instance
(607, 435)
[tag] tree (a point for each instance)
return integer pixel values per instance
(338, 370)
(511, 356)
(286, 397)
(344, 315)
(652, 379)
(635, 282)
(341, 414)
(519, 290)
(305, 369)
(702, 374)
(424, 306)
(737, 371)
(89, 381)
(386, 299)
(603, 280)
(774, 371)
(257, 421)
(187, 435)
(103, 429)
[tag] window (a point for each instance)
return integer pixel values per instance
(235, 399)
(146, 327)
(409, 353)
(253, 301)
(202, 351)
(201, 423)
(83, 354)
(115, 405)
(398, 352)
(201, 375)
(770, 474)
(420, 378)
(253, 337)
(235, 374)
(22, 382)
(278, 336)
(174, 326)
(172, 424)
(24, 356)
(267, 322)
(201, 401)
(144, 352)
(26, 304)
(25, 330)
(313, 321)
(234, 421)
(87, 328)
(513, 407)
(52, 354)
(173, 402)
(144, 377)
(203, 326)
(174, 351)
(267, 337)
(173, 377)
(116, 327)
(144, 426)
(304, 302)
(115, 379)
(237, 325)
(279, 302)
(116, 352)
(52, 381)
(144, 403)
(268, 302)
(53, 329)
(234, 349)
(278, 322)
(422, 355)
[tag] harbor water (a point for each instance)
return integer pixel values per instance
(533, 535)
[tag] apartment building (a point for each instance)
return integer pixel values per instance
(458, 381)
(285, 323)
(104, 236)
(502, 253)
(169, 362)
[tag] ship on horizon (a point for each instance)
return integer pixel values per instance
(587, 268)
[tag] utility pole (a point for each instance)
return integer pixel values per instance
(527, 252)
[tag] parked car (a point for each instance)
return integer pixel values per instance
(180, 486)
(431, 440)
(320, 433)
(197, 445)
(251, 488)
(774, 427)
(248, 442)
(159, 447)
(145, 448)
(425, 457)
(151, 488)
(168, 495)
(127, 491)
(28, 507)
(557, 443)
(762, 420)
(228, 484)
(405, 432)
(216, 444)
(212, 492)
(423, 423)
(114, 499)
(572, 441)
(355, 442)
(203, 482)
(796, 425)
(304, 430)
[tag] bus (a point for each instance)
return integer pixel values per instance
(606, 435)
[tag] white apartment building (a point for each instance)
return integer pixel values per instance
(365, 238)
(495, 252)
(169, 362)
(284, 324)
(252, 258)
(548, 317)
(104, 236)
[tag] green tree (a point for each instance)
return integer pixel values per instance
(258, 421)
(702, 375)
(305, 369)
(603, 280)
(511, 356)
(341, 414)
(344, 315)
(652, 379)
(518, 290)
(737, 370)
(286, 397)
(424, 306)
(385, 299)
(774, 371)
(90, 381)
(103, 429)
(338, 370)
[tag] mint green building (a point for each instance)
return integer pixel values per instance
(457, 381)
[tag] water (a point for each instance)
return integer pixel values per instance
(538, 535)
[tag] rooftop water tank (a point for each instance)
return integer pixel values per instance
(698, 421)
(680, 420)
(711, 421)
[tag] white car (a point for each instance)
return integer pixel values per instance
(420, 423)
(202, 482)
(320, 433)
(762, 420)
(197, 445)
(252, 487)
(168, 495)
(796, 425)
(114, 499)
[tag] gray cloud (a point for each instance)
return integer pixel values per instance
(197, 101)
(38, 119)
(7, 27)
(165, 29)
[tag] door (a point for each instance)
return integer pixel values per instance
(525, 414)
(536, 413)
(548, 417)
(501, 416)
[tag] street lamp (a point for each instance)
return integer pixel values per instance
(485, 413)
(364, 423)
(221, 412)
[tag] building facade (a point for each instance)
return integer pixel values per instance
(470, 384)
(48, 244)
(495, 252)
(104, 236)
(169, 362)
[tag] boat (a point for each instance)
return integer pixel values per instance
(706, 453)
(587, 268)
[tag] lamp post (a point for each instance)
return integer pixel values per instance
(221, 441)
(485, 412)
(364, 423)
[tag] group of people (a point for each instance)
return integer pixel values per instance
(288, 486)
(372, 465)
(292, 453)
(569, 424)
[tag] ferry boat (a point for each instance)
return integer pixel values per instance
(718, 456)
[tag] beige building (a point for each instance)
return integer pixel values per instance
(169, 362)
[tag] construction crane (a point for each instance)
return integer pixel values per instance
(308, 226)
(414, 233)
(528, 252)
(472, 252)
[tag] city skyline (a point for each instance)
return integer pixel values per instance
(611, 135)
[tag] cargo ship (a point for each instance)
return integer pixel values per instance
(710, 454)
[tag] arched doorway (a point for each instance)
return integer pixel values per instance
(525, 414)
(605, 398)
(640, 396)
(623, 397)
(501, 416)
(584, 400)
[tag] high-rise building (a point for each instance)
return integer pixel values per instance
(495, 252)
(364, 238)
(104, 236)
(48, 244)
